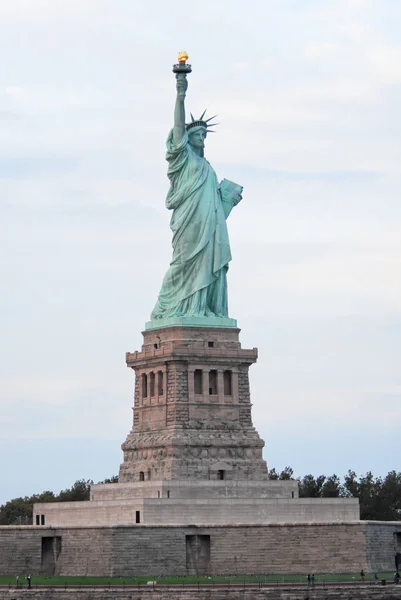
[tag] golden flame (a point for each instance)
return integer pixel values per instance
(182, 56)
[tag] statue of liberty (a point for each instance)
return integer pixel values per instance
(195, 284)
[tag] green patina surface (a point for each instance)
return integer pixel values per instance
(195, 285)
(191, 322)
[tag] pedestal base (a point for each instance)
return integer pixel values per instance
(198, 504)
(190, 322)
(192, 408)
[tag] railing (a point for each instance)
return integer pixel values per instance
(212, 582)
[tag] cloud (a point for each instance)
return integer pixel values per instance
(14, 90)
(19, 168)
(21, 8)
(242, 64)
(386, 60)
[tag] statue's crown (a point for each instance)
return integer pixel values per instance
(201, 123)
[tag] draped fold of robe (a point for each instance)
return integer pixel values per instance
(195, 283)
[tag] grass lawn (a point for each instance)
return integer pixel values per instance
(41, 580)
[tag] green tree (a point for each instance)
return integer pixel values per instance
(366, 489)
(332, 487)
(351, 485)
(78, 492)
(112, 479)
(380, 499)
(285, 474)
(311, 487)
(390, 496)
(16, 512)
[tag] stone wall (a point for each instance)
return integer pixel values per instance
(190, 489)
(383, 542)
(290, 548)
(356, 592)
(198, 511)
(113, 512)
(157, 550)
(235, 550)
(20, 550)
(248, 511)
(179, 432)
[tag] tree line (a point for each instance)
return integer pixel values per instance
(379, 497)
(19, 510)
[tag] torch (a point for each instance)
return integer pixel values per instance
(182, 66)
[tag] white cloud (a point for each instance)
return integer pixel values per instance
(386, 60)
(14, 90)
(49, 8)
(242, 64)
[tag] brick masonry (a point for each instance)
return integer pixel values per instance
(168, 550)
(356, 592)
(383, 541)
(181, 431)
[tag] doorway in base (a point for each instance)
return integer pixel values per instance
(198, 554)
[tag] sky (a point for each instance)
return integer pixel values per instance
(307, 94)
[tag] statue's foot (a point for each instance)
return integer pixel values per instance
(209, 313)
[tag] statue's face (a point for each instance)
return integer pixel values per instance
(197, 138)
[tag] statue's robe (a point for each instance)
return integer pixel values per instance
(196, 283)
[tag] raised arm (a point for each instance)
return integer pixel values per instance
(179, 111)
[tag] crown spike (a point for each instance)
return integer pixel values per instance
(201, 122)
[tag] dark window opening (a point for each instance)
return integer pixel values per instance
(213, 382)
(221, 474)
(398, 541)
(160, 384)
(292, 495)
(228, 388)
(210, 344)
(42, 519)
(198, 381)
(137, 516)
(151, 384)
(158, 493)
(168, 493)
(37, 520)
(144, 385)
(141, 476)
(155, 346)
